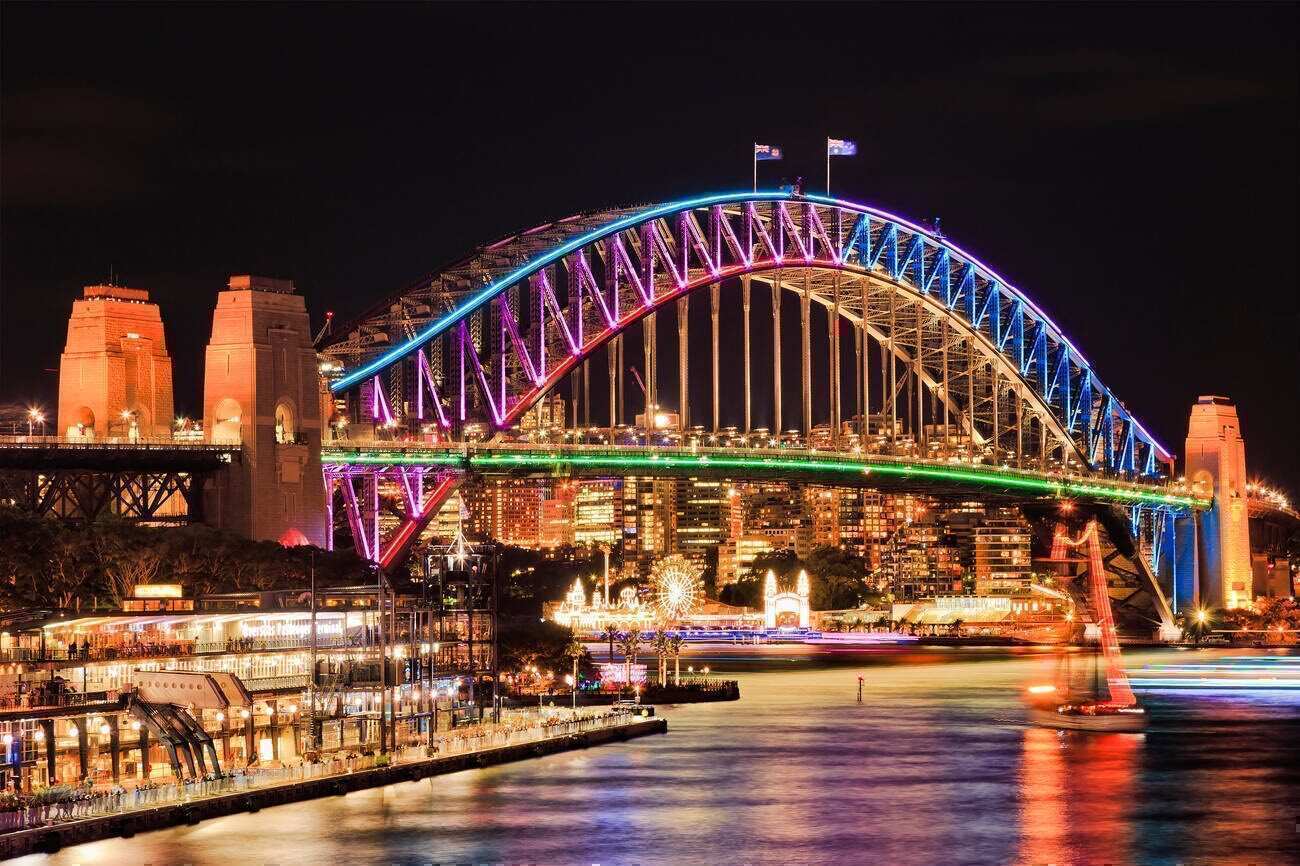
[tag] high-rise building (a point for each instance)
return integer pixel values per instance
(649, 514)
(598, 512)
(1001, 550)
(773, 510)
(508, 510)
(736, 556)
(547, 414)
(821, 516)
(702, 511)
(851, 520)
(959, 520)
(557, 516)
(115, 376)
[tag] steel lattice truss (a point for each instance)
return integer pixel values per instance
(385, 506)
(82, 495)
(488, 338)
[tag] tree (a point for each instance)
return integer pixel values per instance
(661, 645)
(526, 641)
(611, 633)
(836, 578)
(576, 651)
(747, 591)
(1272, 612)
(128, 567)
(675, 645)
(629, 644)
(710, 575)
(49, 564)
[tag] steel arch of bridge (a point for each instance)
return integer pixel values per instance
(520, 315)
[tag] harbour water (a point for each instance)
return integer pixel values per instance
(936, 765)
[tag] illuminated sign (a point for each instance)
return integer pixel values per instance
(157, 590)
(294, 628)
(617, 674)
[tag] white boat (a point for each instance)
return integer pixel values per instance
(1090, 717)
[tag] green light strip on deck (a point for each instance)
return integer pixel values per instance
(633, 463)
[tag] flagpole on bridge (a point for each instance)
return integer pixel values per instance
(828, 166)
(753, 153)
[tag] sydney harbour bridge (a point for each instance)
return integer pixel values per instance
(939, 375)
(912, 366)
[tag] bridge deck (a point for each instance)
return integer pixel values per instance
(855, 470)
(50, 452)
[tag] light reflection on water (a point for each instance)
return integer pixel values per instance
(936, 765)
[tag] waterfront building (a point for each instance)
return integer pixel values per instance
(1001, 552)
(590, 617)
(1027, 616)
(575, 611)
(76, 705)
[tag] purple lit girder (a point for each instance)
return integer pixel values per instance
(402, 499)
(588, 279)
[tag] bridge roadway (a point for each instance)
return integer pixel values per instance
(142, 454)
(811, 465)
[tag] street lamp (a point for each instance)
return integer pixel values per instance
(573, 687)
(35, 416)
(132, 426)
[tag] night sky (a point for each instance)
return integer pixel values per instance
(1132, 169)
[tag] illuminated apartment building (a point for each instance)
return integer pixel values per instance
(556, 516)
(508, 510)
(1001, 553)
(649, 515)
(598, 512)
(702, 516)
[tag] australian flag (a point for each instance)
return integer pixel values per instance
(841, 147)
(766, 151)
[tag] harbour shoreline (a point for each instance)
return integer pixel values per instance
(52, 838)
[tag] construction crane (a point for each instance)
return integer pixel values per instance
(641, 382)
(324, 329)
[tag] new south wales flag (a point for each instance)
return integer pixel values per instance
(766, 151)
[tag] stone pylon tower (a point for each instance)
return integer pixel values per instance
(115, 376)
(260, 391)
(1216, 457)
